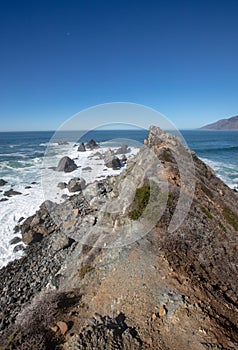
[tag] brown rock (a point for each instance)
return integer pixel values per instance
(62, 326)
(162, 311)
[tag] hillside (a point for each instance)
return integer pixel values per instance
(144, 260)
(223, 124)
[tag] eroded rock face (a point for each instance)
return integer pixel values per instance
(66, 164)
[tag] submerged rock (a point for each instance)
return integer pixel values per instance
(66, 164)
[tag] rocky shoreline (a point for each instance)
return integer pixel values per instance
(174, 287)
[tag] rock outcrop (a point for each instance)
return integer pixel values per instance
(81, 147)
(76, 184)
(66, 164)
(11, 193)
(91, 144)
(111, 161)
(123, 149)
(3, 182)
(150, 257)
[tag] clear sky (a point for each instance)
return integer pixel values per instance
(59, 57)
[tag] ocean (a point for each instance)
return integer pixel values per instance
(26, 159)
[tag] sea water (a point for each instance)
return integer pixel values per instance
(26, 159)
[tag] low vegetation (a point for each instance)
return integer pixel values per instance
(149, 200)
(230, 217)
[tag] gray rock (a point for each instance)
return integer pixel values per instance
(15, 240)
(2, 182)
(123, 158)
(61, 143)
(76, 184)
(11, 192)
(81, 147)
(61, 241)
(62, 185)
(19, 247)
(31, 236)
(66, 164)
(87, 168)
(92, 144)
(113, 163)
(123, 149)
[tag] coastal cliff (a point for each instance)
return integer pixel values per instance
(143, 260)
(223, 124)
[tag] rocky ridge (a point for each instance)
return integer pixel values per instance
(147, 284)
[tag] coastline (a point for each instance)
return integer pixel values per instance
(181, 279)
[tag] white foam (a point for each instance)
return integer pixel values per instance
(28, 202)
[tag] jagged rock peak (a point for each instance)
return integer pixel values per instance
(157, 136)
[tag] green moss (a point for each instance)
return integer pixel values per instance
(222, 226)
(206, 190)
(149, 194)
(141, 199)
(84, 270)
(230, 217)
(166, 156)
(206, 212)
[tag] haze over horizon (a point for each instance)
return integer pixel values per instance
(60, 57)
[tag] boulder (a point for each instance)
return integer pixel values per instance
(2, 182)
(61, 242)
(81, 147)
(31, 236)
(18, 248)
(111, 161)
(92, 144)
(15, 240)
(66, 164)
(123, 159)
(76, 184)
(123, 149)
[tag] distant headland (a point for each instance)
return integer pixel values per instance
(223, 124)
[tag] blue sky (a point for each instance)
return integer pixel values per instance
(59, 57)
